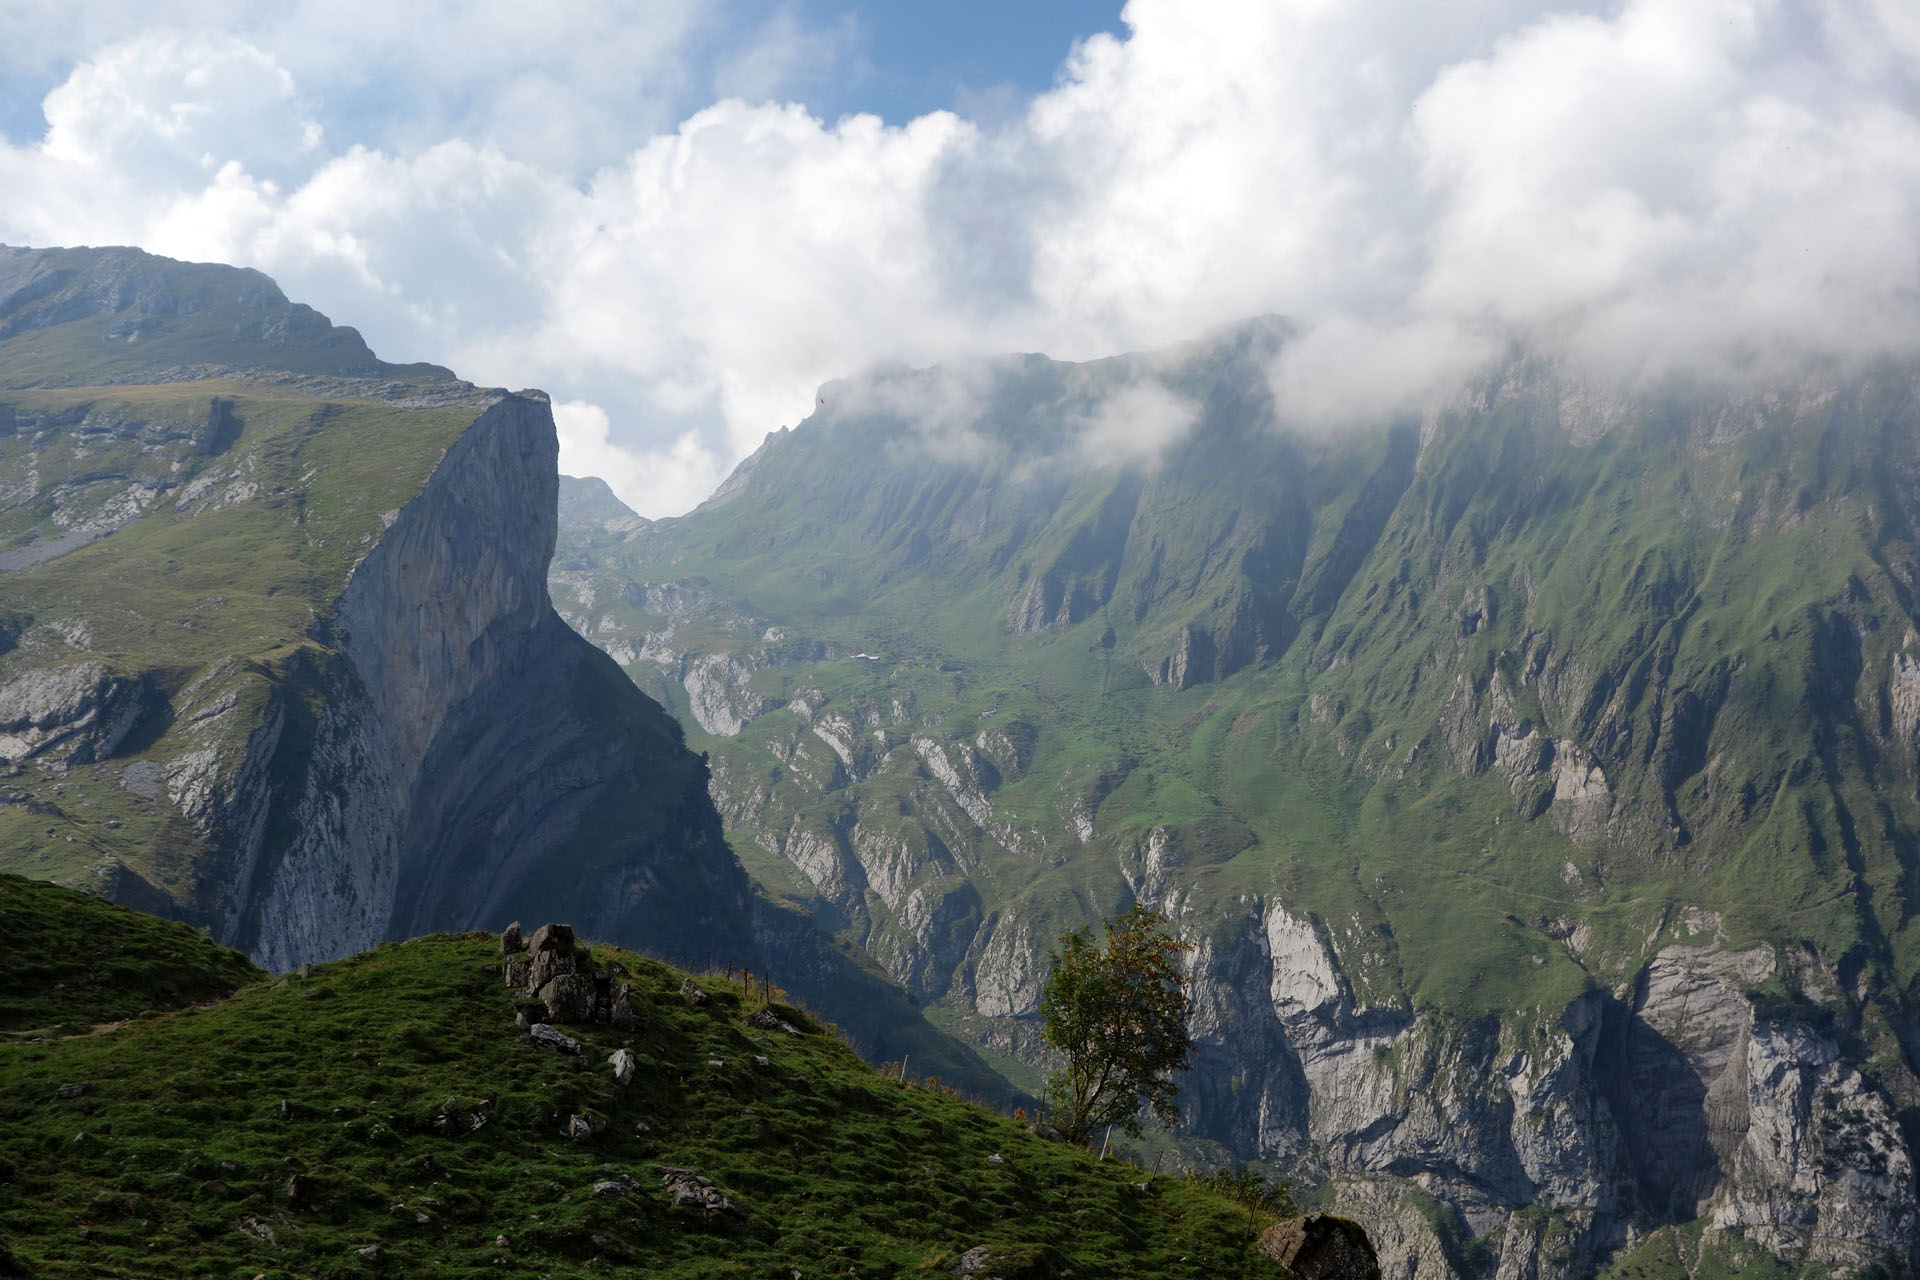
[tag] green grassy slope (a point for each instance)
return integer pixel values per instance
(325, 1125)
(72, 961)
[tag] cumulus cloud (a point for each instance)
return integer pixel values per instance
(1135, 424)
(1642, 186)
(645, 479)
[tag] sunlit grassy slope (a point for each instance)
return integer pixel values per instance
(323, 1125)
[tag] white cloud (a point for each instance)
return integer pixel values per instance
(1646, 185)
(1133, 425)
(649, 480)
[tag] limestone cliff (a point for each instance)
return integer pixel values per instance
(474, 760)
(279, 656)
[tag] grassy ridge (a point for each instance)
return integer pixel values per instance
(305, 1120)
(64, 970)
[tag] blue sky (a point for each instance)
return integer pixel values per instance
(917, 56)
(672, 216)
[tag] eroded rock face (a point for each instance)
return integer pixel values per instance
(76, 714)
(1821, 1167)
(456, 750)
(1679, 1102)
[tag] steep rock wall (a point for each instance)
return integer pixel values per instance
(463, 756)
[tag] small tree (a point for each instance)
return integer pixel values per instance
(1119, 1014)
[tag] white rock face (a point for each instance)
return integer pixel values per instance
(953, 767)
(78, 712)
(1821, 1167)
(1010, 970)
(1680, 1088)
(718, 695)
(1302, 978)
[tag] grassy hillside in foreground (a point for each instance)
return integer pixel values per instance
(65, 973)
(326, 1125)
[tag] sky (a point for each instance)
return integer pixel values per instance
(680, 217)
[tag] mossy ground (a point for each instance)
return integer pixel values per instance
(285, 1129)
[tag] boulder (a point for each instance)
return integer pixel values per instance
(692, 1191)
(623, 1063)
(690, 992)
(768, 1020)
(558, 1041)
(622, 1014)
(511, 943)
(568, 998)
(552, 937)
(1320, 1246)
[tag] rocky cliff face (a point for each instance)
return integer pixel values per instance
(459, 770)
(1537, 780)
(277, 655)
(281, 659)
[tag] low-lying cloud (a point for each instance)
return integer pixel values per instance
(1641, 187)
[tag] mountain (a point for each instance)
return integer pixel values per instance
(280, 658)
(277, 657)
(1537, 779)
(395, 1112)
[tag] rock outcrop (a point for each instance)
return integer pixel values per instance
(563, 978)
(1321, 1247)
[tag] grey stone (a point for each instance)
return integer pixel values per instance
(691, 1191)
(768, 1020)
(558, 1041)
(568, 998)
(1321, 1247)
(623, 1063)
